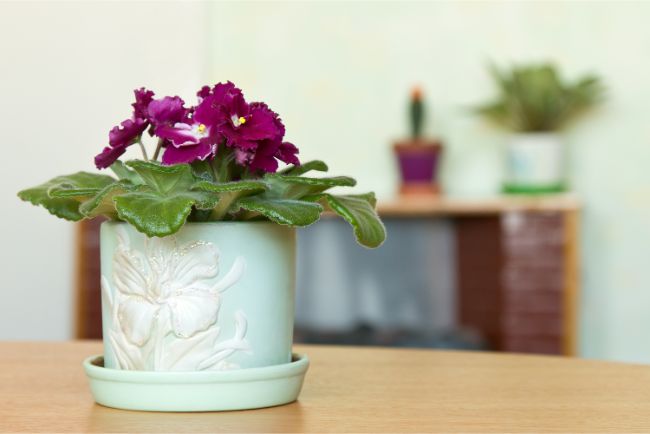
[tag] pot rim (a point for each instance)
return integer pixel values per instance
(94, 367)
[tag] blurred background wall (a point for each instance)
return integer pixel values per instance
(67, 75)
(339, 73)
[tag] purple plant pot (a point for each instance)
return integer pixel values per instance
(418, 163)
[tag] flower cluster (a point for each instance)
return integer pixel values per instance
(222, 117)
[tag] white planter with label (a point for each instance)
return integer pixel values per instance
(534, 163)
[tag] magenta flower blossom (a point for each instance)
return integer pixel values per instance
(222, 117)
(166, 111)
(142, 99)
(263, 154)
(266, 156)
(195, 138)
(246, 125)
(120, 138)
(128, 132)
(288, 153)
(198, 138)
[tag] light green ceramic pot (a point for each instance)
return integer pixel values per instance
(214, 296)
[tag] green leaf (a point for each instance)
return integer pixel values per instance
(226, 193)
(335, 181)
(61, 195)
(164, 179)
(124, 173)
(283, 211)
(203, 170)
(295, 187)
(80, 185)
(304, 168)
(103, 202)
(225, 187)
(153, 214)
(359, 211)
(161, 206)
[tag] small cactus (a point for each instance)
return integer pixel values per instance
(416, 113)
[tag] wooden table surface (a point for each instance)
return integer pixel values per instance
(348, 389)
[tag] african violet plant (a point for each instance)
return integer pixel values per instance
(216, 161)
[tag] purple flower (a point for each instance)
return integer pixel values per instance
(287, 153)
(142, 99)
(246, 125)
(222, 117)
(187, 154)
(167, 111)
(223, 95)
(266, 155)
(120, 138)
(198, 137)
(128, 132)
(189, 141)
(124, 134)
(204, 92)
(108, 156)
(259, 140)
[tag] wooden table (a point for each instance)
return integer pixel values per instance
(43, 389)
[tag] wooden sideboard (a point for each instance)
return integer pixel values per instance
(517, 266)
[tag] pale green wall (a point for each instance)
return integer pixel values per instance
(339, 74)
(67, 75)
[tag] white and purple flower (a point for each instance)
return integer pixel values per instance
(222, 117)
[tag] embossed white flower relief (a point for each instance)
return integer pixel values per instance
(165, 304)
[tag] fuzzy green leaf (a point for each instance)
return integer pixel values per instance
(226, 187)
(295, 187)
(153, 214)
(161, 206)
(164, 179)
(124, 173)
(304, 168)
(227, 193)
(103, 202)
(359, 211)
(203, 170)
(80, 185)
(282, 211)
(61, 195)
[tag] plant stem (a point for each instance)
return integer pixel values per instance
(144, 151)
(213, 168)
(225, 201)
(248, 215)
(158, 148)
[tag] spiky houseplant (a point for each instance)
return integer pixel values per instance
(535, 103)
(534, 98)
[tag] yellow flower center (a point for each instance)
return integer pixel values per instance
(242, 120)
(202, 128)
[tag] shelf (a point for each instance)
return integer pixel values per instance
(425, 206)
